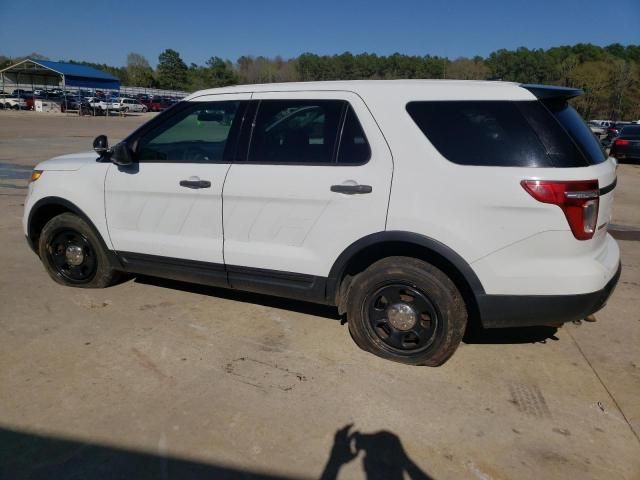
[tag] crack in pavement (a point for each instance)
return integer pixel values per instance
(613, 399)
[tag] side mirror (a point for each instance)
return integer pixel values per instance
(101, 144)
(121, 154)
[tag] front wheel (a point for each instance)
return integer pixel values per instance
(73, 255)
(144, 109)
(406, 310)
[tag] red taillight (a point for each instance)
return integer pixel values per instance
(578, 199)
(621, 142)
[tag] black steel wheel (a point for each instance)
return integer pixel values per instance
(406, 310)
(74, 254)
(402, 317)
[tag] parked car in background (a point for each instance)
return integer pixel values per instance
(626, 146)
(613, 130)
(19, 92)
(131, 105)
(155, 103)
(104, 105)
(598, 128)
(611, 133)
(159, 104)
(76, 104)
(29, 100)
(15, 103)
(352, 194)
(144, 100)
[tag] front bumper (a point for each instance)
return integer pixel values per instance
(498, 311)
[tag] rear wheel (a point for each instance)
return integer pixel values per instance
(144, 109)
(73, 254)
(406, 310)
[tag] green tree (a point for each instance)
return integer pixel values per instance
(593, 77)
(221, 72)
(139, 72)
(172, 71)
(467, 69)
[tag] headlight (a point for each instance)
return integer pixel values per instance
(35, 175)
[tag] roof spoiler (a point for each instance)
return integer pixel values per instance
(552, 92)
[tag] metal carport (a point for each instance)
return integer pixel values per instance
(46, 73)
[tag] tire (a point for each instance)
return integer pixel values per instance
(125, 110)
(406, 310)
(69, 230)
(144, 109)
(16, 107)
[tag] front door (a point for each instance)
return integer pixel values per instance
(316, 178)
(168, 204)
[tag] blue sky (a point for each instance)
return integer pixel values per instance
(106, 31)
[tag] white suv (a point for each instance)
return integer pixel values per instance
(415, 207)
(131, 105)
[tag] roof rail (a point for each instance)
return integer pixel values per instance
(548, 92)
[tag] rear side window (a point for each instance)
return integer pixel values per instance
(500, 133)
(296, 131)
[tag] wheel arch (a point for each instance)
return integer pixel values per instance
(48, 207)
(367, 250)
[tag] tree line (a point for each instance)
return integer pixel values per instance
(610, 76)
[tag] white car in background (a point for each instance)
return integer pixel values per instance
(104, 104)
(15, 103)
(131, 105)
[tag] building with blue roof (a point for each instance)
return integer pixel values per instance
(47, 73)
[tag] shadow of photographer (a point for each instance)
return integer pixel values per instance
(384, 456)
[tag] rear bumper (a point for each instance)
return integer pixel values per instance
(498, 311)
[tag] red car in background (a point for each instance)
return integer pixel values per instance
(145, 100)
(158, 104)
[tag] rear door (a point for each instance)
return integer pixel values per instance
(168, 204)
(316, 177)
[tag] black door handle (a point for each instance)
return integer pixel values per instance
(195, 183)
(351, 189)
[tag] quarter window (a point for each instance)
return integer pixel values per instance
(200, 134)
(504, 133)
(354, 148)
(479, 132)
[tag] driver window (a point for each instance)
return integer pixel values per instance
(197, 135)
